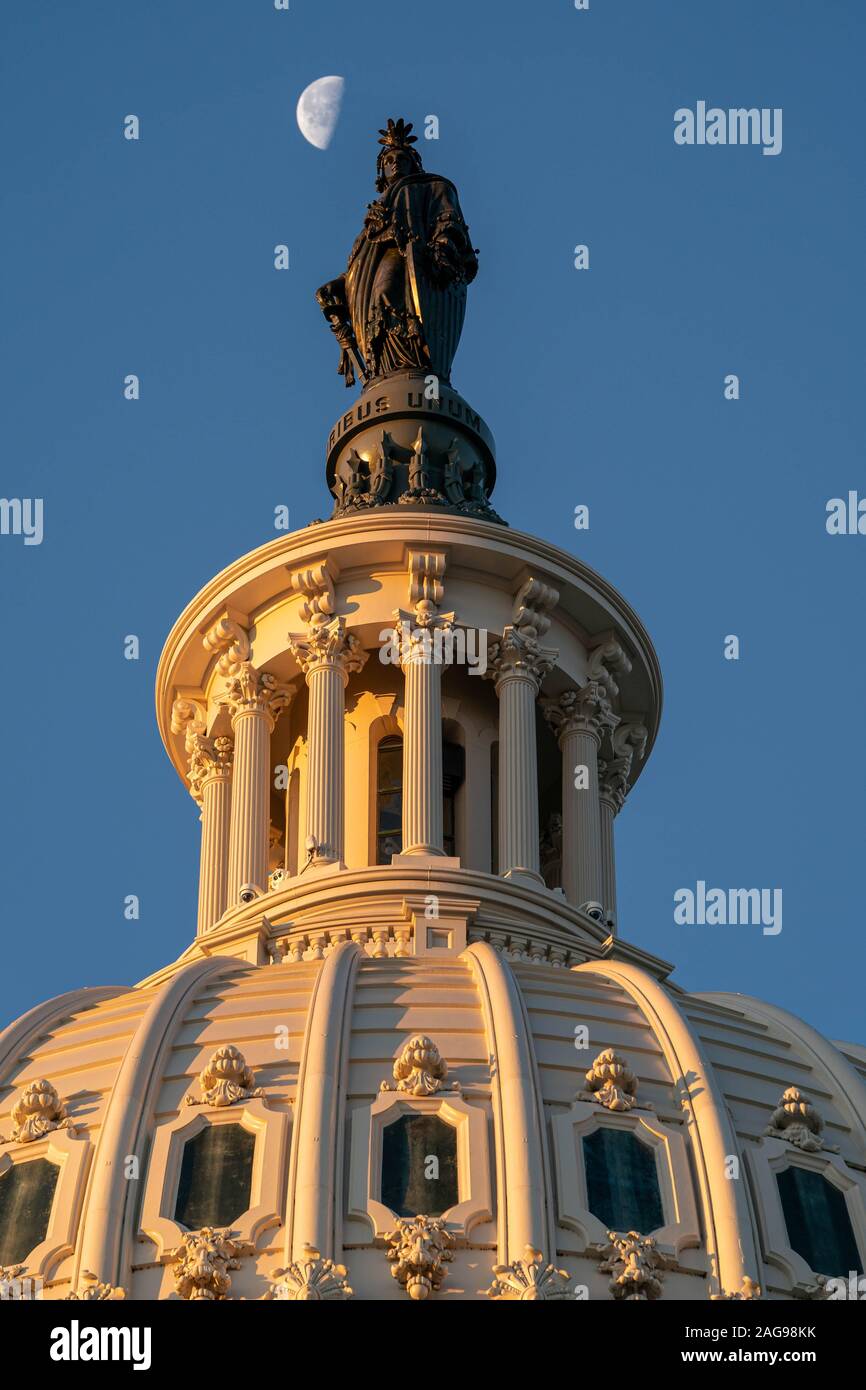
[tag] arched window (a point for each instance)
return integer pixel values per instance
(389, 796)
(216, 1177)
(389, 799)
(819, 1226)
(622, 1184)
(26, 1195)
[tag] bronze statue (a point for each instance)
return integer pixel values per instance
(401, 303)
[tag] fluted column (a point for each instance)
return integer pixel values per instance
(327, 655)
(613, 779)
(579, 719)
(255, 700)
(518, 664)
(210, 770)
(423, 648)
(215, 789)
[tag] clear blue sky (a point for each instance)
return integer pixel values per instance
(156, 258)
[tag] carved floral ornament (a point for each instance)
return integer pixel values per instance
(311, 1279)
(327, 644)
(226, 1079)
(796, 1120)
(610, 1082)
(37, 1111)
(420, 1069)
(204, 1262)
(529, 1279)
(419, 1249)
(635, 1265)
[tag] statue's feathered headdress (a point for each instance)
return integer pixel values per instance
(397, 135)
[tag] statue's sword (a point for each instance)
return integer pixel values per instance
(413, 277)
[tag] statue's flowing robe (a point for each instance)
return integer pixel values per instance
(405, 311)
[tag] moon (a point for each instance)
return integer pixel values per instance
(318, 110)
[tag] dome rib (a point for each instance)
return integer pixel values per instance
(846, 1086)
(519, 1124)
(315, 1169)
(106, 1209)
(730, 1232)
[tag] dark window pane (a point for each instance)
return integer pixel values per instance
(216, 1177)
(622, 1181)
(390, 811)
(412, 1182)
(453, 767)
(389, 799)
(494, 808)
(390, 765)
(819, 1227)
(449, 836)
(26, 1194)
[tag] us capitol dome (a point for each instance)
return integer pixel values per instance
(407, 1054)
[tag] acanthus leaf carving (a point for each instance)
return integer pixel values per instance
(226, 1079)
(37, 1111)
(252, 690)
(419, 1249)
(796, 1120)
(611, 1083)
(519, 653)
(586, 710)
(420, 1069)
(635, 1265)
(204, 1262)
(327, 643)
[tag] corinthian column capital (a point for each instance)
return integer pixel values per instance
(327, 645)
(423, 637)
(520, 655)
(206, 757)
(209, 757)
(584, 711)
(250, 691)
